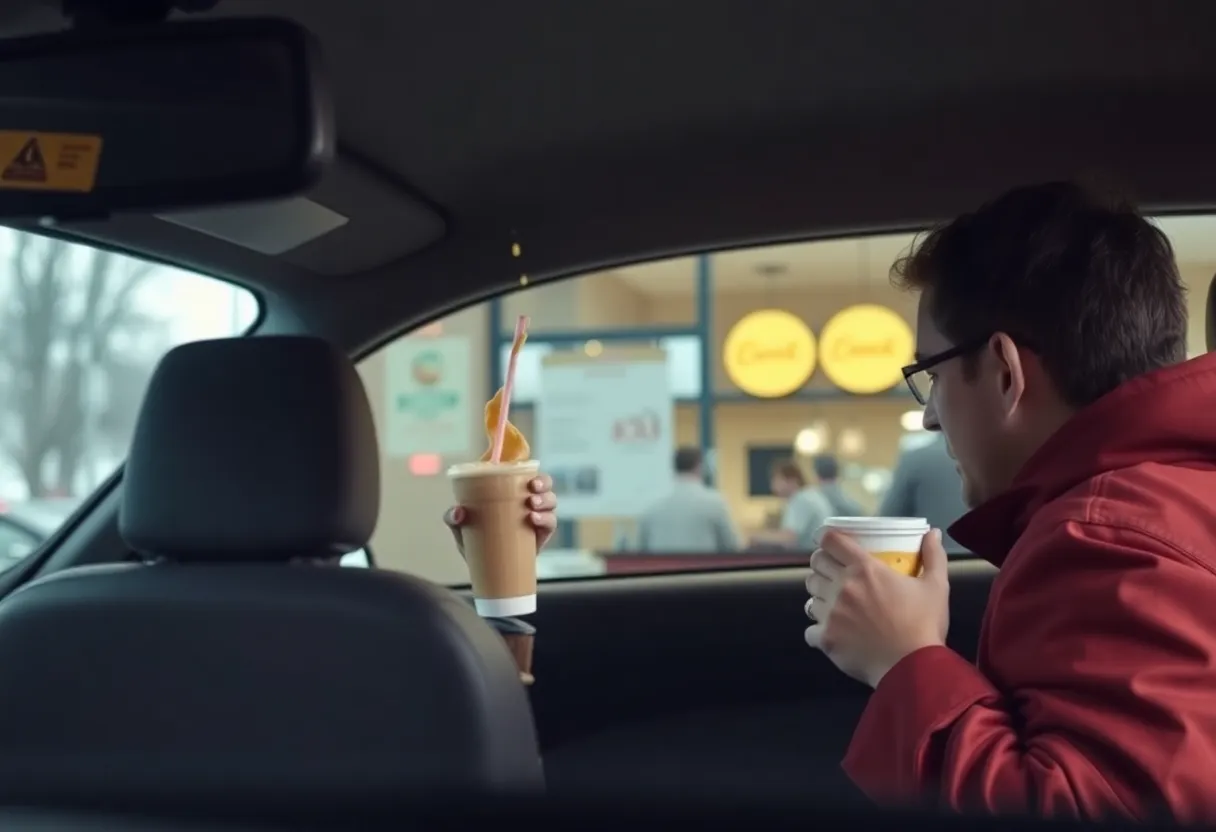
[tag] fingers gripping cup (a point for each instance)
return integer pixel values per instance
(893, 540)
(499, 542)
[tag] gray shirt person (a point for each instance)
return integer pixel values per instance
(805, 511)
(927, 484)
(692, 518)
(827, 471)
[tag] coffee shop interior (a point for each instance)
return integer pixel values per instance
(783, 351)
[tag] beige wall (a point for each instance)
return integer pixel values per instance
(596, 301)
(1197, 278)
(411, 535)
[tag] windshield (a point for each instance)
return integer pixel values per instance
(81, 330)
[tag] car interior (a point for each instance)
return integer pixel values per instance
(360, 171)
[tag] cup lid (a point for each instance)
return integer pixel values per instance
(878, 524)
(481, 469)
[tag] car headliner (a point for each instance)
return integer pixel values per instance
(596, 132)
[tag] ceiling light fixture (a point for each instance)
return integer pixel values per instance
(808, 441)
(912, 421)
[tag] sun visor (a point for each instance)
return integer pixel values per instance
(266, 227)
(387, 222)
(352, 221)
(371, 222)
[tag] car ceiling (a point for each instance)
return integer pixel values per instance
(598, 132)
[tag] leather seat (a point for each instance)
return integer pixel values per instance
(228, 669)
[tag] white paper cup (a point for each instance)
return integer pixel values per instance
(893, 540)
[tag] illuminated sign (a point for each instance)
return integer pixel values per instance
(769, 353)
(864, 348)
(425, 465)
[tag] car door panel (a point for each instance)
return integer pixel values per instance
(701, 681)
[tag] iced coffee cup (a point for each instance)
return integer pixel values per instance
(893, 540)
(499, 542)
(519, 637)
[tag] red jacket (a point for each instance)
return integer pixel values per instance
(1094, 692)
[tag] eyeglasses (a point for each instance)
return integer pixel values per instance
(920, 380)
(918, 377)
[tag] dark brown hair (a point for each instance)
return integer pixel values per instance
(1085, 282)
(826, 467)
(788, 469)
(687, 459)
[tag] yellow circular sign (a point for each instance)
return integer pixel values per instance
(769, 353)
(864, 348)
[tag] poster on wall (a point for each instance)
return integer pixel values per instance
(604, 431)
(427, 397)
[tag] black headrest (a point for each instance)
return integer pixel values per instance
(252, 449)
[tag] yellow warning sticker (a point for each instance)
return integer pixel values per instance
(48, 161)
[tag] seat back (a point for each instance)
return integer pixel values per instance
(234, 666)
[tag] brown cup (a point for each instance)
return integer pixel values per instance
(499, 542)
(521, 650)
(519, 636)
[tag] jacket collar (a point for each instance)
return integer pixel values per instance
(1165, 416)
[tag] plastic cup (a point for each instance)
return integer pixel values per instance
(520, 636)
(499, 542)
(893, 540)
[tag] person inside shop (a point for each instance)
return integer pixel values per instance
(926, 484)
(827, 471)
(692, 518)
(1051, 353)
(804, 511)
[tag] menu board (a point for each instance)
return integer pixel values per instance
(604, 431)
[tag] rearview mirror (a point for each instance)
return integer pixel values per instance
(158, 117)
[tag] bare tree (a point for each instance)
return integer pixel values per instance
(69, 330)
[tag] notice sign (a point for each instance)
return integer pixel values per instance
(427, 397)
(605, 431)
(48, 161)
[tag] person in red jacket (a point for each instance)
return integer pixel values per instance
(1052, 355)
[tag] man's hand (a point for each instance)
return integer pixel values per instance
(868, 616)
(542, 515)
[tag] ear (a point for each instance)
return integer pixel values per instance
(1011, 372)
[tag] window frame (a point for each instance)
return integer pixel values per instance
(42, 556)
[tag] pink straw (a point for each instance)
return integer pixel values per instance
(500, 430)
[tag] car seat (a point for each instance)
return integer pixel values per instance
(227, 669)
